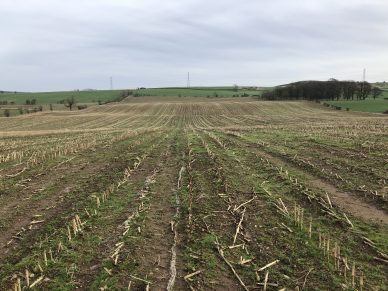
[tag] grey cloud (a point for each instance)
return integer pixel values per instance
(54, 45)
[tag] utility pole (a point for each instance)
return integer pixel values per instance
(363, 81)
(111, 83)
(188, 79)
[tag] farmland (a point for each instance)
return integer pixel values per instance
(194, 193)
(369, 105)
(94, 96)
(18, 103)
(89, 96)
(208, 92)
(378, 105)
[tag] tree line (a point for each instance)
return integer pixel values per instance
(323, 90)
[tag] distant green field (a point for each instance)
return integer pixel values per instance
(16, 100)
(381, 85)
(368, 105)
(43, 98)
(14, 110)
(199, 92)
(55, 97)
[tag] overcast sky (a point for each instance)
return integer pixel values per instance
(64, 45)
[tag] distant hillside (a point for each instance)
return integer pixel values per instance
(209, 92)
(89, 96)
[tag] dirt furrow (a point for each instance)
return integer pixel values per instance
(53, 204)
(159, 257)
(210, 227)
(244, 170)
(174, 226)
(117, 223)
(24, 249)
(148, 231)
(350, 203)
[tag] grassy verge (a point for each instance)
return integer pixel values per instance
(378, 105)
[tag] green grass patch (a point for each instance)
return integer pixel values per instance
(377, 105)
(55, 97)
(210, 92)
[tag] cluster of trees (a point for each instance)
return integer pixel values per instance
(7, 112)
(33, 110)
(137, 94)
(68, 102)
(242, 95)
(5, 102)
(123, 94)
(319, 90)
(31, 102)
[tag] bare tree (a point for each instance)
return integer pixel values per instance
(376, 92)
(70, 102)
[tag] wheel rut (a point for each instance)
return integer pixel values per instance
(348, 202)
(56, 202)
(160, 257)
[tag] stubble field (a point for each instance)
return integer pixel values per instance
(196, 194)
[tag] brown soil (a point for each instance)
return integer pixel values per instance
(155, 254)
(220, 222)
(349, 202)
(47, 207)
(88, 270)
